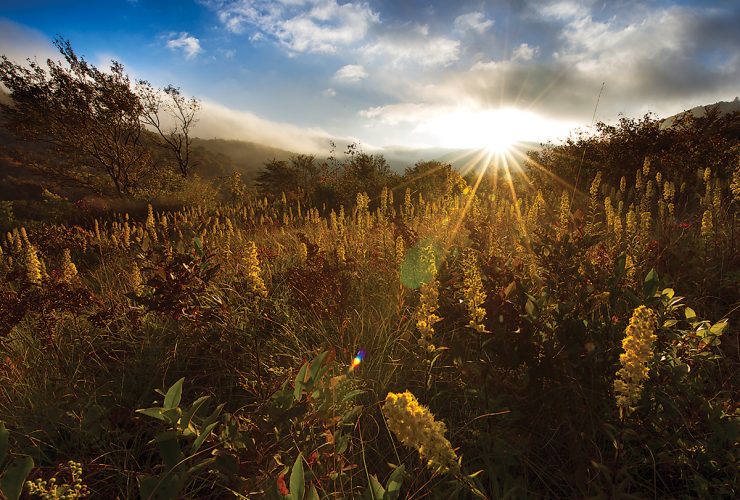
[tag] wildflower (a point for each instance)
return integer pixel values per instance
(638, 351)
(302, 252)
(428, 298)
(254, 271)
(33, 265)
(415, 426)
(623, 184)
(50, 489)
(150, 223)
(707, 227)
(474, 295)
(594, 189)
(400, 250)
(564, 215)
(135, 279)
(69, 270)
(341, 253)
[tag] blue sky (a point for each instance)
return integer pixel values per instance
(294, 73)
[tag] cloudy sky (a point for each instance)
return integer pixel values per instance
(294, 73)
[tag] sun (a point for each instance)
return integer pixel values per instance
(499, 143)
(498, 131)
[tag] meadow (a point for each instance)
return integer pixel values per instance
(496, 340)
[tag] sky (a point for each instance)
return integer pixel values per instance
(410, 74)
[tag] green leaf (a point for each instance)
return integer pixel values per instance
(690, 314)
(198, 245)
(169, 448)
(377, 491)
(352, 394)
(203, 435)
(297, 483)
(351, 414)
(718, 328)
(213, 416)
(529, 307)
(188, 415)
(155, 412)
(316, 364)
(651, 284)
(11, 485)
(4, 435)
(669, 323)
(174, 393)
(313, 494)
(393, 488)
(298, 391)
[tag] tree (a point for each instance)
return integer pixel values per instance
(363, 172)
(88, 118)
(434, 180)
(179, 111)
(93, 122)
(301, 178)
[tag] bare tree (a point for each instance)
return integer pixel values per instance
(90, 119)
(175, 126)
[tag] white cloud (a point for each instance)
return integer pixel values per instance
(472, 21)
(407, 112)
(565, 9)
(524, 52)
(350, 73)
(216, 120)
(189, 45)
(320, 26)
(414, 47)
(20, 42)
(330, 92)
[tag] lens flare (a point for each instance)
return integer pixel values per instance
(357, 360)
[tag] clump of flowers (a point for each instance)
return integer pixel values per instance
(426, 315)
(638, 350)
(34, 272)
(473, 293)
(254, 272)
(69, 270)
(51, 490)
(414, 425)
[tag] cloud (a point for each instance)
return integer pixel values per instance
(660, 59)
(330, 92)
(414, 47)
(20, 42)
(524, 52)
(350, 73)
(319, 26)
(189, 45)
(216, 120)
(408, 112)
(472, 21)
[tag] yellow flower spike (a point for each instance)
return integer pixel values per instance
(69, 270)
(33, 265)
(254, 271)
(414, 425)
(473, 294)
(638, 351)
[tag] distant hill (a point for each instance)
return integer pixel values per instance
(725, 107)
(219, 157)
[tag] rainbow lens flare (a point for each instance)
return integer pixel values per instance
(357, 360)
